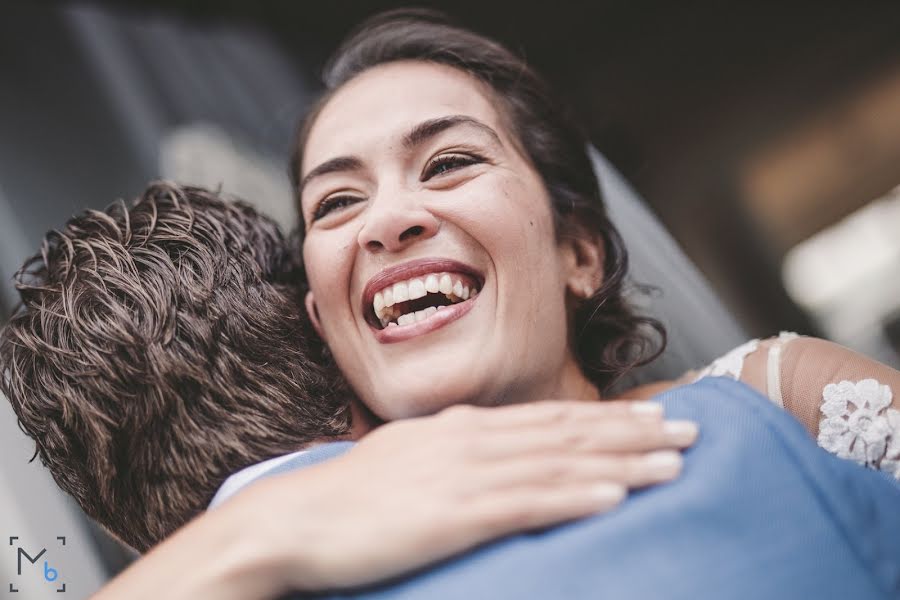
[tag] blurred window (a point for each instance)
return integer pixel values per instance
(848, 277)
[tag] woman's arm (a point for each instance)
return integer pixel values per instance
(412, 493)
(217, 555)
(847, 401)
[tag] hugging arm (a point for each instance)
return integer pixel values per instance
(409, 494)
(847, 401)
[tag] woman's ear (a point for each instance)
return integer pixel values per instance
(584, 256)
(313, 313)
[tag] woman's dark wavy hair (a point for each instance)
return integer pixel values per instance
(609, 338)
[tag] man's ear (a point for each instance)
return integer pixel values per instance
(584, 255)
(313, 313)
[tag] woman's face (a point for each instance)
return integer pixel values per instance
(434, 270)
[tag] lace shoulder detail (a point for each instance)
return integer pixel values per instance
(731, 364)
(859, 425)
(844, 399)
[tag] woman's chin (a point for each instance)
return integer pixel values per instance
(442, 360)
(421, 390)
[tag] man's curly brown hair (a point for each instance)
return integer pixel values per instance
(158, 349)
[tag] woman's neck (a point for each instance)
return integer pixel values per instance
(573, 385)
(569, 383)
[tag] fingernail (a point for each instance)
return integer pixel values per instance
(664, 464)
(609, 493)
(647, 409)
(680, 433)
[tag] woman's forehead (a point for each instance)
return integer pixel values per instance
(373, 111)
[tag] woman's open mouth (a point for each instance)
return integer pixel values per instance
(416, 299)
(428, 293)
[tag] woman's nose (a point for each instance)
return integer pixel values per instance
(392, 226)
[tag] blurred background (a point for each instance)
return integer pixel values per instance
(766, 137)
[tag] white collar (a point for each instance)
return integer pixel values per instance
(243, 477)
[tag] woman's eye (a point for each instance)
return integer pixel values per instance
(334, 203)
(448, 162)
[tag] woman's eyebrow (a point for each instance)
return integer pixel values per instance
(341, 163)
(432, 127)
(415, 137)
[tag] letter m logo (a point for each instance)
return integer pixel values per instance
(28, 557)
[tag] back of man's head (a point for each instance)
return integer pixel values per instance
(158, 349)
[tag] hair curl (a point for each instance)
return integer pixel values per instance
(609, 338)
(158, 349)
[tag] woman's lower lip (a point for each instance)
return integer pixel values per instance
(398, 333)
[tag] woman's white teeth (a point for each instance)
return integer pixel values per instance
(421, 315)
(412, 289)
(416, 289)
(445, 286)
(401, 292)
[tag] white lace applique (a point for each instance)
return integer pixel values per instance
(859, 425)
(731, 364)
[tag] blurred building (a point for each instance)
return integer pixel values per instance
(93, 104)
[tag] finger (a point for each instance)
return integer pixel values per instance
(631, 470)
(527, 509)
(612, 435)
(549, 412)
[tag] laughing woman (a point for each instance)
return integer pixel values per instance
(457, 251)
(450, 209)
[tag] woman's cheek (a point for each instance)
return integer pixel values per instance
(327, 268)
(528, 237)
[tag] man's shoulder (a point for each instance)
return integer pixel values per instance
(277, 465)
(308, 457)
(759, 512)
